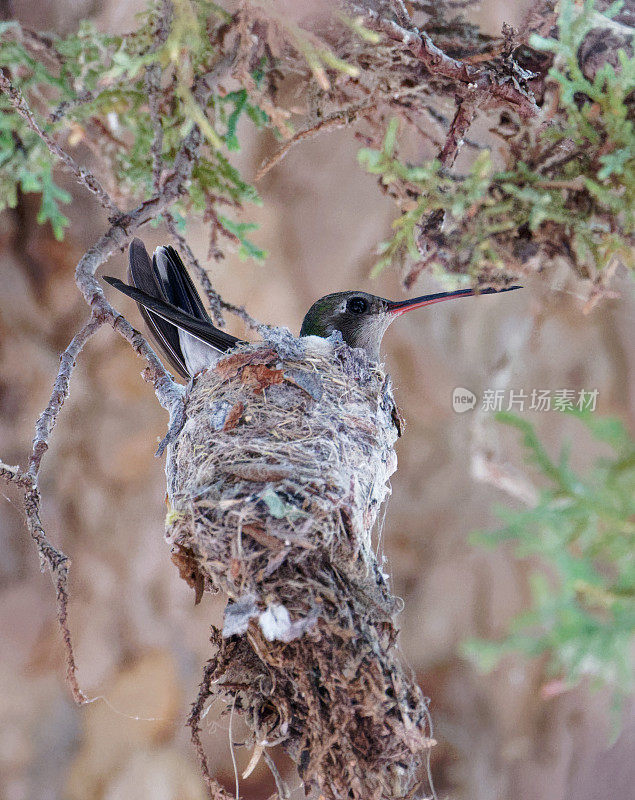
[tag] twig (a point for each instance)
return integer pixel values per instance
(83, 176)
(48, 417)
(281, 787)
(465, 110)
(216, 791)
(153, 85)
(431, 224)
(55, 560)
(168, 392)
(403, 15)
(153, 82)
(66, 105)
(439, 63)
(339, 119)
(419, 5)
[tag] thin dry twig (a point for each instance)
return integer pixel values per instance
(281, 787)
(465, 111)
(194, 722)
(403, 15)
(153, 85)
(168, 392)
(55, 560)
(339, 119)
(454, 140)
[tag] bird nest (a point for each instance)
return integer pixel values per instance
(275, 483)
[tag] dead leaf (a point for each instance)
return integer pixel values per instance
(229, 367)
(259, 377)
(189, 571)
(262, 537)
(234, 416)
(398, 420)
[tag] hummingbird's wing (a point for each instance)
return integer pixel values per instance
(173, 310)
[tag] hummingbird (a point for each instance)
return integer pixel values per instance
(176, 316)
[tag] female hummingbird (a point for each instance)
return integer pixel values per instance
(173, 310)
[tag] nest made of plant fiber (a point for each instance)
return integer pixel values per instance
(275, 483)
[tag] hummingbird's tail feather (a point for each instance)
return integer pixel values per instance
(141, 275)
(173, 310)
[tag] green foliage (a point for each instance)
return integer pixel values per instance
(98, 82)
(438, 191)
(583, 530)
(25, 165)
(586, 202)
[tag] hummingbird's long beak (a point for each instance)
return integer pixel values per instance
(401, 306)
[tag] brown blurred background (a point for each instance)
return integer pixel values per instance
(140, 641)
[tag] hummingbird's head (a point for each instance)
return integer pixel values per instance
(360, 317)
(363, 318)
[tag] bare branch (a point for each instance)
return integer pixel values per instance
(83, 176)
(338, 119)
(432, 223)
(281, 787)
(48, 417)
(403, 16)
(153, 85)
(56, 562)
(168, 392)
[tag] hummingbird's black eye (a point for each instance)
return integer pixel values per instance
(357, 305)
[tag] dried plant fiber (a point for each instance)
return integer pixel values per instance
(275, 483)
